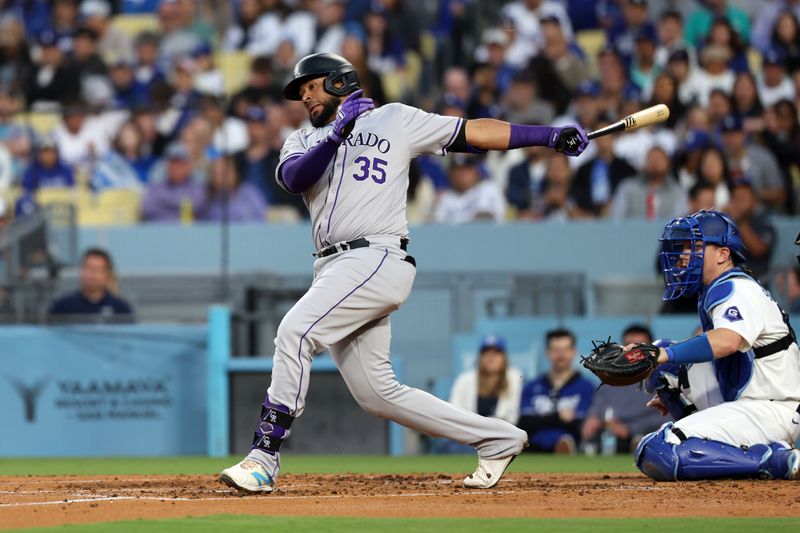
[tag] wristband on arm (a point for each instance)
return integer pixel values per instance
(523, 136)
(694, 350)
(299, 173)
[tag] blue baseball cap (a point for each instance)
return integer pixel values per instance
(697, 140)
(255, 114)
(588, 88)
(493, 342)
(774, 56)
(731, 123)
(47, 38)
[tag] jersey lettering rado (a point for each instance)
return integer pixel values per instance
(363, 191)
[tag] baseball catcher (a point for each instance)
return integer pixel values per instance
(734, 390)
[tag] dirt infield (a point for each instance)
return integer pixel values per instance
(28, 501)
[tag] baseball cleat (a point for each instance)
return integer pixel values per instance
(488, 473)
(248, 476)
(794, 465)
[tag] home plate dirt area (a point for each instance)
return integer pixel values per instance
(42, 501)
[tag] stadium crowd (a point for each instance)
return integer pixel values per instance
(151, 111)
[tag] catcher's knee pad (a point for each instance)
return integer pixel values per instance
(663, 456)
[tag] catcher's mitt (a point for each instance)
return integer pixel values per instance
(614, 366)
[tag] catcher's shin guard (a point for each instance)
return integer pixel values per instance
(663, 456)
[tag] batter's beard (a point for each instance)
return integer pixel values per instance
(329, 109)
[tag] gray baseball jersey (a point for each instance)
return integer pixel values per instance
(347, 307)
(363, 191)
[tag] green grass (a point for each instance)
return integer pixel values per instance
(433, 525)
(308, 464)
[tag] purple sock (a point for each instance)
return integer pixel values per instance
(272, 427)
(522, 136)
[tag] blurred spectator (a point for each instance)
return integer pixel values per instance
(634, 23)
(621, 411)
(688, 160)
(455, 82)
(664, 90)
(298, 30)
(774, 84)
(643, 68)
(47, 170)
(117, 167)
(85, 57)
(385, 50)
(634, 146)
(64, 21)
(229, 133)
(228, 198)
(701, 196)
(781, 135)
(701, 20)
(493, 388)
(354, 50)
(247, 31)
(686, 76)
(260, 88)
(556, 203)
(128, 92)
(786, 39)
(485, 96)
(470, 197)
(208, 79)
(758, 234)
(565, 58)
(52, 80)
(746, 102)
(80, 137)
(597, 180)
(96, 299)
(788, 284)
(521, 103)
(714, 72)
(720, 105)
(555, 404)
(257, 163)
(526, 179)
(723, 35)
(524, 17)
(113, 43)
(764, 25)
(10, 106)
(330, 30)
(176, 36)
(615, 87)
(713, 170)
(179, 196)
(147, 71)
(653, 195)
(670, 37)
(494, 44)
(753, 162)
(15, 57)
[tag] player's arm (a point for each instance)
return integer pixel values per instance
(714, 344)
(483, 134)
(299, 172)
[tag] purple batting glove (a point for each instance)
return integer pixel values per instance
(570, 140)
(347, 114)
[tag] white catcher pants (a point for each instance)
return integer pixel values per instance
(347, 310)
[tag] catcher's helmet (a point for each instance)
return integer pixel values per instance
(335, 69)
(688, 236)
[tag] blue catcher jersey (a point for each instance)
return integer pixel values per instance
(737, 302)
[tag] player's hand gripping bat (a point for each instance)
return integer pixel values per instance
(640, 119)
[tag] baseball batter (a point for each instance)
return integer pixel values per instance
(746, 423)
(351, 169)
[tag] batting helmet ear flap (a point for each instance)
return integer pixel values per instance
(340, 76)
(345, 78)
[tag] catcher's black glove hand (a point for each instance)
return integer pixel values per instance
(614, 366)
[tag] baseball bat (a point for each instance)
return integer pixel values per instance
(640, 119)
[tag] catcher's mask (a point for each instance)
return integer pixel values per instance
(683, 243)
(341, 78)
